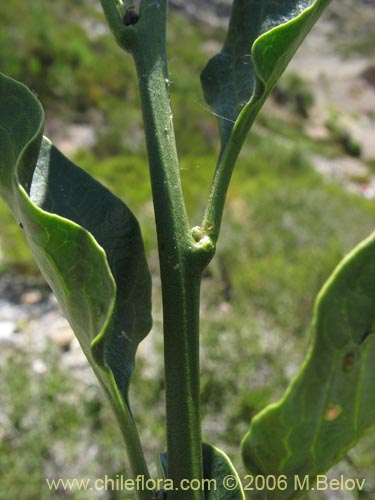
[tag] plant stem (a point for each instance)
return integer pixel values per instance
(130, 434)
(123, 36)
(182, 259)
(223, 173)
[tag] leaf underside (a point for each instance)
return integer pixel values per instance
(85, 240)
(331, 402)
(263, 36)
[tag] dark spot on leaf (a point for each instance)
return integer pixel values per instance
(348, 361)
(131, 17)
(21, 225)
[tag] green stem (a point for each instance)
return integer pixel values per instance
(182, 259)
(223, 173)
(219, 188)
(137, 462)
(123, 35)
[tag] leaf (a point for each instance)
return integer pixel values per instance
(220, 477)
(262, 38)
(216, 465)
(331, 402)
(85, 240)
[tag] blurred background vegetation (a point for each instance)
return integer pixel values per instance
(286, 227)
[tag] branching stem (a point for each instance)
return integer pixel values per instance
(182, 257)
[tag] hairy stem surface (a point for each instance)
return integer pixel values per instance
(181, 261)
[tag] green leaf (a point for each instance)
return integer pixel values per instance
(217, 466)
(331, 402)
(262, 38)
(85, 240)
(221, 479)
